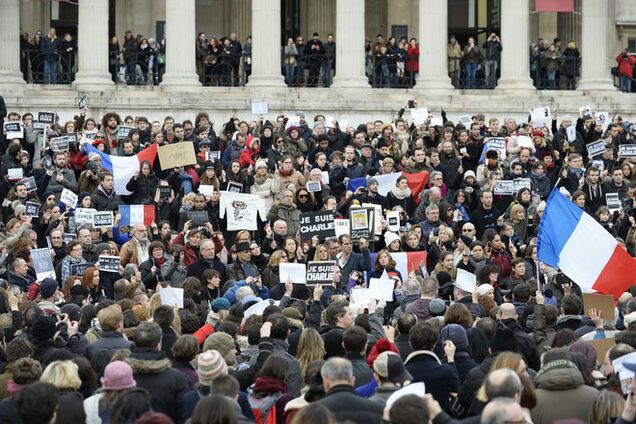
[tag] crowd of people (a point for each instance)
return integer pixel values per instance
(99, 344)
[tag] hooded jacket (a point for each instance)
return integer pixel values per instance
(561, 393)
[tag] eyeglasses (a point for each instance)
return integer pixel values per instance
(467, 230)
(302, 196)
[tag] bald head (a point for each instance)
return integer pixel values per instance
(503, 383)
(502, 411)
(337, 371)
(507, 311)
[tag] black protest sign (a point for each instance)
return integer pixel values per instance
(32, 209)
(198, 218)
(72, 138)
(612, 201)
(60, 144)
(233, 187)
(42, 263)
(317, 224)
(13, 130)
(596, 148)
(361, 223)
(30, 184)
(39, 126)
(320, 272)
(109, 263)
(78, 269)
(68, 237)
(627, 150)
(46, 117)
(164, 192)
(103, 219)
(123, 132)
(83, 102)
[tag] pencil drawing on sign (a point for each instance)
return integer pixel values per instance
(239, 209)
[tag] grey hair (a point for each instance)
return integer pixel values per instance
(130, 270)
(502, 383)
(337, 369)
(497, 411)
(412, 287)
(432, 207)
(435, 174)
(243, 291)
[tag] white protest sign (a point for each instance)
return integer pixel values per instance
(324, 177)
(171, 296)
(417, 389)
(465, 281)
(359, 296)
(342, 226)
(419, 116)
(539, 116)
(292, 121)
(525, 141)
(296, 272)
(498, 144)
(260, 108)
(256, 309)
(571, 132)
(84, 215)
(42, 263)
(602, 118)
(381, 289)
(393, 221)
(15, 173)
(330, 122)
(437, 122)
(206, 189)
(69, 198)
(626, 375)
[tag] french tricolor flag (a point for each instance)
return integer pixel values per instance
(123, 168)
(405, 262)
(136, 214)
(386, 182)
(571, 240)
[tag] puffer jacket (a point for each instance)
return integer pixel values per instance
(561, 393)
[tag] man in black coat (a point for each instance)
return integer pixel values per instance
(341, 398)
(208, 260)
(507, 315)
(153, 371)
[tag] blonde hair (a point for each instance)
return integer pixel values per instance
(62, 374)
(317, 253)
(607, 405)
(110, 317)
(311, 347)
(189, 196)
(274, 259)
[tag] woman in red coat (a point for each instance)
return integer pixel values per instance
(412, 60)
(626, 63)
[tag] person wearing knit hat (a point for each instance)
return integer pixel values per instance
(220, 304)
(81, 197)
(48, 287)
(389, 238)
(463, 362)
(224, 344)
(118, 375)
(210, 364)
(484, 289)
(260, 164)
(43, 329)
(371, 181)
(18, 208)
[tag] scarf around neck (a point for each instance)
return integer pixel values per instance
(401, 193)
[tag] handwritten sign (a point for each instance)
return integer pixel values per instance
(68, 198)
(84, 215)
(178, 154)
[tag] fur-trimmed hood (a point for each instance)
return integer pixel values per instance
(148, 361)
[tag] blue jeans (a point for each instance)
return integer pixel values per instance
(471, 75)
(50, 72)
(326, 74)
(625, 84)
(289, 75)
(552, 78)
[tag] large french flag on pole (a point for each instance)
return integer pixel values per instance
(123, 168)
(136, 214)
(571, 240)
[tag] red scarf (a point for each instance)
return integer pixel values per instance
(269, 385)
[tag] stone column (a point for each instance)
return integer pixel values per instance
(181, 68)
(10, 43)
(433, 38)
(92, 45)
(350, 45)
(266, 45)
(515, 56)
(595, 68)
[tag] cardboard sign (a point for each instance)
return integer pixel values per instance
(498, 144)
(612, 201)
(69, 198)
(15, 174)
(123, 131)
(198, 218)
(602, 302)
(320, 272)
(83, 102)
(234, 187)
(259, 108)
(296, 272)
(59, 144)
(78, 269)
(361, 223)
(109, 263)
(84, 215)
(42, 263)
(13, 130)
(171, 296)
(46, 117)
(627, 150)
(32, 209)
(571, 132)
(103, 219)
(393, 221)
(178, 154)
(317, 224)
(381, 289)
(313, 186)
(601, 346)
(512, 187)
(30, 184)
(596, 148)
(341, 227)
